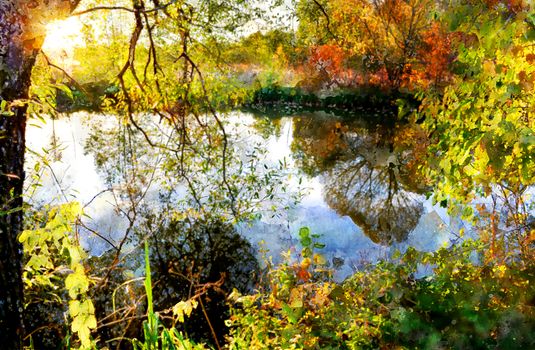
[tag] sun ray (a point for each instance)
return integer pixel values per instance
(62, 38)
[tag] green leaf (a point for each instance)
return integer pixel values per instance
(468, 213)
(304, 232)
(306, 241)
(319, 245)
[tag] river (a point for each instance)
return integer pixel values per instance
(350, 181)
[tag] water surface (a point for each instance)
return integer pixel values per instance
(352, 182)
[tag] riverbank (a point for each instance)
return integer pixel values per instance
(376, 104)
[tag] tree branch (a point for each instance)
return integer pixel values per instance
(123, 8)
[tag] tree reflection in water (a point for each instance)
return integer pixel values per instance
(363, 174)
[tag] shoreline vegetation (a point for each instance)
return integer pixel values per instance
(372, 104)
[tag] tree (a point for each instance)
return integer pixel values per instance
(481, 126)
(22, 31)
(383, 35)
(363, 178)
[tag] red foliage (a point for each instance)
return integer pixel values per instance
(329, 58)
(303, 274)
(379, 78)
(329, 62)
(435, 55)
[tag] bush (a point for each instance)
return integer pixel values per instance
(463, 305)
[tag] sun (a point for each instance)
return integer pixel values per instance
(63, 36)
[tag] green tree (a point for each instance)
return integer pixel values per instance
(481, 126)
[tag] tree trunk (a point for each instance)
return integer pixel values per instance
(22, 30)
(11, 181)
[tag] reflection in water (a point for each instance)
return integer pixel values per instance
(374, 199)
(196, 252)
(347, 181)
(319, 143)
(202, 256)
(360, 170)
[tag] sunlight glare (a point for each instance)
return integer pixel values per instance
(63, 36)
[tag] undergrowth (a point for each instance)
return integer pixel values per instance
(467, 302)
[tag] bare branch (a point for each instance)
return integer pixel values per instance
(326, 15)
(123, 8)
(65, 73)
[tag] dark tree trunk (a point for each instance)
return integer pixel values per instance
(15, 69)
(22, 29)
(11, 181)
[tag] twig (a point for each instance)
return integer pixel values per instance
(122, 8)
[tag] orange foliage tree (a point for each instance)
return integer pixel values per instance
(329, 61)
(435, 56)
(386, 40)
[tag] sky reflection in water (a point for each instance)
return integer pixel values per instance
(358, 192)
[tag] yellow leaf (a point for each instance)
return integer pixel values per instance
(184, 308)
(74, 308)
(489, 67)
(296, 298)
